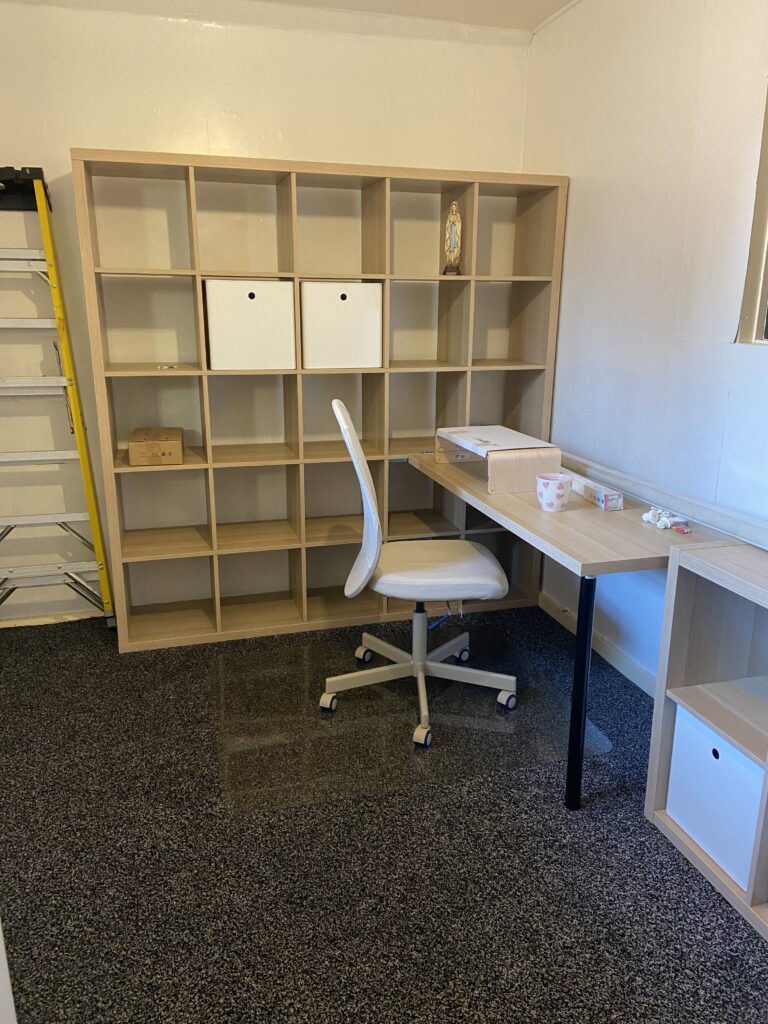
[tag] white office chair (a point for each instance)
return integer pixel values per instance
(417, 570)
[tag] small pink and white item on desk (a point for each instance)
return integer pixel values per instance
(553, 491)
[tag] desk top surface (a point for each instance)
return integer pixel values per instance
(582, 537)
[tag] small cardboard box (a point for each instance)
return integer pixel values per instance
(513, 459)
(156, 446)
(606, 498)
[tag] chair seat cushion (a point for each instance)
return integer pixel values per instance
(438, 570)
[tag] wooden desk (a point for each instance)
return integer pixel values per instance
(587, 541)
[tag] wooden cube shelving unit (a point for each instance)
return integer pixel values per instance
(255, 532)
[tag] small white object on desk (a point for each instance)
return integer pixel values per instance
(662, 519)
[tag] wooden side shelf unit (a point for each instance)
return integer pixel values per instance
(708, 772)
(255, 532)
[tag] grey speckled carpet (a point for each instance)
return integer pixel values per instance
(176, 849)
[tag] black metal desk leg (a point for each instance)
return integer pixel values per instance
(581, 663)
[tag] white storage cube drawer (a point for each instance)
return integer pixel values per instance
(250, 325)
(340, 324)
(714, 794)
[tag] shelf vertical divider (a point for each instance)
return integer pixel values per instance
(554, 309)
(286, 224)
(288, 261)
(472, 239)
(385, 354)
(210, 485)
(89, 246)
(374, 224)
(757, 890)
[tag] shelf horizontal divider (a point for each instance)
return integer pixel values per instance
(153, 370)
(331, 604)
(517, 365)
(263, 535)
(259, 611)
(344, 529)
(145, 272)
(737, 709)
(336, 451)
(266, 454)
(426, 365)
(166, 542)
(419, 523)
(174, 620)
(401, 447)
(194, 458)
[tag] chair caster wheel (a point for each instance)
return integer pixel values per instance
(328, 702)
(507, 699)
(422, 736)
(364, 654)
(463, 656)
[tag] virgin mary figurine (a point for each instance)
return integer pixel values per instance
(452, 239)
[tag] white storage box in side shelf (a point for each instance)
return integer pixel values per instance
(340, 324)
(714, 794)
(250, 325)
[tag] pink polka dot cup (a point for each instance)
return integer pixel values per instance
(553, 490)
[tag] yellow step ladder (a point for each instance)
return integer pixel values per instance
(20, 190)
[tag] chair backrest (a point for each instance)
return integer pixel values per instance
(368, 557)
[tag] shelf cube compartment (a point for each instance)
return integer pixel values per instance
(244, 221)
(164, 516)
(511, 324)
(327, 572)
(341, 324)
(257, 507)
(169, 599)
(254, 419)
(477, 522)
(333, 505)
(142, 223)
(429, 324)
(520, 562)
(341, 228)
(515, 231)
(714, 794)
(419, 403)
(419, 210)
(364, 396)
(150, 324)
(250, 324)
(261, 590)
(420, 508)
(157, 402)
(510, 398)
(716, 613)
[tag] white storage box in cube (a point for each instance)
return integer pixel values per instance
(714, 794)
(250, 324)
(340, 324)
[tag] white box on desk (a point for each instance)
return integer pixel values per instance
(250, 324)
(341, 324)
(513, 459)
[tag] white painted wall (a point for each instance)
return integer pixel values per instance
(232, 77)
(655, 110)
